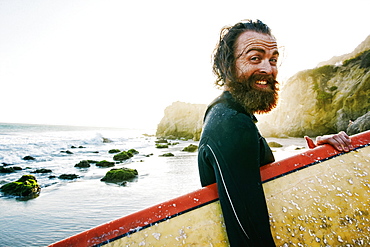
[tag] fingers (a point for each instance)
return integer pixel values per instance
(340, 141)
(310, 142)
(344, 141)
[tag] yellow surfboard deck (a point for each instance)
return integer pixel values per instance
(317, 198)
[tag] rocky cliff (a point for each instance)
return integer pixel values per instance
(182, 120)
(322, 100)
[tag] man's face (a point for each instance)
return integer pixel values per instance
(255, 70)
(256, 54)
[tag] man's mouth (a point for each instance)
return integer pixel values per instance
(261, 82)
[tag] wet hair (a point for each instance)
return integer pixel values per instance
(223, 55)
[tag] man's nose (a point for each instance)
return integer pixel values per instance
(265, 67)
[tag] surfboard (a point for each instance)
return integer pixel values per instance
(320, 197)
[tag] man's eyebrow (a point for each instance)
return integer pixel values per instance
(258, 50)
(262, 51)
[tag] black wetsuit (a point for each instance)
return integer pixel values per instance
(231, 151)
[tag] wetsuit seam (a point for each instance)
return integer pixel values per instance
(227, 192)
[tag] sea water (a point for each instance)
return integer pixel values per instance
(67, 207)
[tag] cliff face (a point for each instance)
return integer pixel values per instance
(322, 100)
(182, 120)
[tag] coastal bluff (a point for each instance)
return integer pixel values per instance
(182, 120)
(324, 100)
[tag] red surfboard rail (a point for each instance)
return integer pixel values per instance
(149, 216)
(309, 157)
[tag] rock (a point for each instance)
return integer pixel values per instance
(121, 156)
(6, 169)
(182, 120)
(68, 176)
(359, 125)
(106, 140)
(42, 170)
(113, 151)
(26, 186)
(191, 148)
(167, 155)
(105, 163)
(275, 145)
(161, 146)
(132, 151)
(119, 175)
(28, 158)
(83, 164)
(67, 152)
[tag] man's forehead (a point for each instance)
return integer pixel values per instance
(251, 39)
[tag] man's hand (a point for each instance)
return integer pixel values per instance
(340, 141)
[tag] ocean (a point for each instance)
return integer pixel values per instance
(67, 207)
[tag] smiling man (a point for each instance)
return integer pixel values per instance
(231, 149)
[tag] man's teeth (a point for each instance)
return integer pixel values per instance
(261, 82)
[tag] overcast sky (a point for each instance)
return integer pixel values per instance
(120, 63)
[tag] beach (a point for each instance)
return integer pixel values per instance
(67, 207)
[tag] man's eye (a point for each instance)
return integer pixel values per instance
(273, 60)
(255, 58)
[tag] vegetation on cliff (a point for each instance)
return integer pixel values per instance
(323, 100)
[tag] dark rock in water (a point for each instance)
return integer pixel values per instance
(68, 176)
(5, 164)
(81, 147)
(106, 140)
(167, 155)
(275, 145)
(83, 164)
(73, 147)
(161, 146)
(121, 156)
(105, 163)
(67, 152)
(6, 169)
(119, 175)
(43, 170)
(124, 155)
(52, 176)
(26, 186)
(17, 168)
(359, 125)
(28, 158)
(114, 151)
(191, 148)
(132, 151)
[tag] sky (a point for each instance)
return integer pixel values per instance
(120, 63)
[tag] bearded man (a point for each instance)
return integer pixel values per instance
(231, 149)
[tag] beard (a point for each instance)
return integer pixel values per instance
(251, 97)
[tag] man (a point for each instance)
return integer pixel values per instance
(231, 149)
